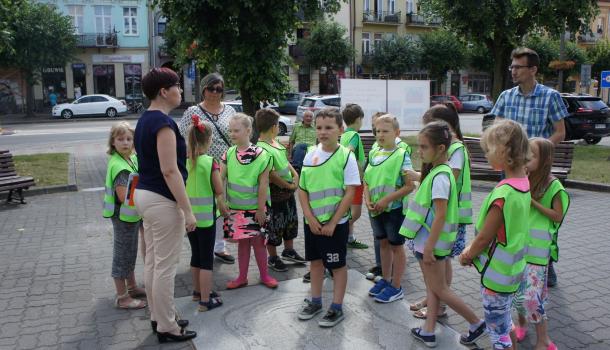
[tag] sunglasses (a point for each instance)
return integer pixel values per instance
(213, 89)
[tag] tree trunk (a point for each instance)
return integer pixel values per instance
(29, 94)
(250, 107)
(501, 57)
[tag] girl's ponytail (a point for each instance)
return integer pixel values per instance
(199, 135)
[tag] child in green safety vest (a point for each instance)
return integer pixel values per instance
(502, 230)
(205, 190)
(431, 222)
(459, 163)
(245, 168)
(386, 183)
(329, 178)
(126, 223)
(550, 203)
(283, 182)
(352, 116)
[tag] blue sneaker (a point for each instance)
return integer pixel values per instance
(428, 340)
(389, 294)
(378, 287)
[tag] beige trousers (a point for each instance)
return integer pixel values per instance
(163, 234)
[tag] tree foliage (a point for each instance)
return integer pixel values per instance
(245, 39)
(328, 46)
(599, 56)
(396, 56)
(478, 57)
(547, 49)
(40, 37)
(501, 24)
(441, 51)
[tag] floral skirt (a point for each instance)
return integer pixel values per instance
(241, 224)
(532, 296)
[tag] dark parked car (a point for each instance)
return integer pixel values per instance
(589, 118)
(290, 101)
(436, 99)
(476, 103)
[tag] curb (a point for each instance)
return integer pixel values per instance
(587, 186)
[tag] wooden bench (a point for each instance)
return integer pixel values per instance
(480, 168)
(367, 143)
(9, 180)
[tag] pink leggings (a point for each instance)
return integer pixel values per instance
(243, 256)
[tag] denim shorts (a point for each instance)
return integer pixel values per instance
(420, 256)
(387, 226)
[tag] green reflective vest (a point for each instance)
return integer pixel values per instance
(381, 179)
(463, 185)
(421, 205)
(501, 265)
(542, 242)
(200, 190)
(116, 164)
(280, 160)
(399, 142)
(242, 180)
(346, 137)
(325, 185)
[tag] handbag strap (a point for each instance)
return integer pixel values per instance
(207, 114)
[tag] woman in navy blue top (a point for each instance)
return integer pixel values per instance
(161, 200)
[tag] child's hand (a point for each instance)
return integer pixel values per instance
(190, 222)
(381, 205)
(314, 225)
(328, 229)
(260, 216)
(293, 186)
(224, 210)
(413, 175)
(429, 258)
(464, 258)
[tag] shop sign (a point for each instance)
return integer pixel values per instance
(118, 58)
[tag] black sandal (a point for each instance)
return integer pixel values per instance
(196, 296)
(211, 304)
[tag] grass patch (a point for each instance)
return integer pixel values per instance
(591, 164)
(47, 169)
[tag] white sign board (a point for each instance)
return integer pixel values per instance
(406, 99)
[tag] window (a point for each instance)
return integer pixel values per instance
(130, 20)
(366, 43)
(391, 6)
(103, 19)
(378, 37)
(76, 13)
(98, 99)
(409, 6)
(367, 5)
(161, 28)
(87, 99)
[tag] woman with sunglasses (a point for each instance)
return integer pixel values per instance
(161, 200)
(213, 110)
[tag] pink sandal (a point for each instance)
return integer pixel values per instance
(520, 333)
(551, 346)
(237, 284)
(269, 282)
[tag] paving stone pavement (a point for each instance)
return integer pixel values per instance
(56, 291)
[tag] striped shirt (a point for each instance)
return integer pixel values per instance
(536, 112)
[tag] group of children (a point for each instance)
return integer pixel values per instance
(259, 211)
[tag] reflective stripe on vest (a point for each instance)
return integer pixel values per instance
(381, 179)
(117, 164)
(421, 205)
(463, 185)
(200, 190)
(502, 271)
(324, 184)
(242, 179)
(345, 139)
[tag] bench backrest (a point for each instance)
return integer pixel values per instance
(7, 166)
(367, 142)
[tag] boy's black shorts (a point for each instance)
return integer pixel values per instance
(331, 250)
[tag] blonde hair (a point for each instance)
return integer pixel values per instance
(244, 119)
(375, 116)
(117, 129)
(539, 178)
(508, 141)
(198, 138)
(388, 118)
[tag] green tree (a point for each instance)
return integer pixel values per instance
(396, 56)
(7, 8)
(501, 24)
(478, 57)
(599, 56)
(245, 39)
(327, 46)
(41, 37)
(441, 51)
(547, 49)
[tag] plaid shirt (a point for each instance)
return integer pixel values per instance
(303, 134)
(536, 112)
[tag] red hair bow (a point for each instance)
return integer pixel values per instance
(198, 123)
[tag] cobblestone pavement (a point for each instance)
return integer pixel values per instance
(56, 291)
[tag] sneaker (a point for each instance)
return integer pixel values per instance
(276, 264)
(292, 255)
(377, 278)
(428, 340)
(225, 258)
(389, 294)
(307, 277)
(373, 272)
(309, 310)
(378, 288)
(356, 244)
(473, 336)
(331, 318)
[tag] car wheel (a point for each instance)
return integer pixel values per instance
(111, 113)
(67, 114)
(283, 129)
(481, 109)
(592, 140)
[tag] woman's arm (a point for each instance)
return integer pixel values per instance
(554, 213)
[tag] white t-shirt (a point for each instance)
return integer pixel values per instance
(440, 190)
(351, 175)
(456, 161)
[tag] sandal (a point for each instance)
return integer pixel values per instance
(134, 304)
(136, 292)
(207, 306)
(418, 306)
(237, 284)
(196, 296)
(216, 296)
(423, 313)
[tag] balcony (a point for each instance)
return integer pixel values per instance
(414, 19)
(383, 17)
(99, 40)
(590, 38)
(296, 52)
(367, 59)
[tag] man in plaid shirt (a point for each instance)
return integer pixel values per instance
(538, 108)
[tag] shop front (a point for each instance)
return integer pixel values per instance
(54, 83)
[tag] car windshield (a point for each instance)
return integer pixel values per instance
(308, 102)
(594, 104)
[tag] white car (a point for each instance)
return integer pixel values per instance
(315, 103)
(91, 105)
(286, 124)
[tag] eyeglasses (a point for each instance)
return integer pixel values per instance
(517, 66)
(213, 89)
